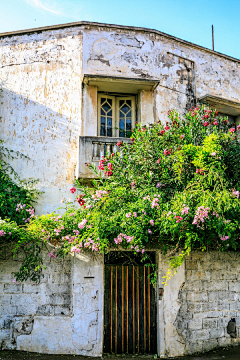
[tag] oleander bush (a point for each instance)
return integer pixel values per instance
(175, 188)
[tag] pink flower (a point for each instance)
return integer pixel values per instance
(215, 122)
(128, 215)
(167, 127)
(162, 132)
(133, 184)
(72, 190)
(2, 233)
(135, 214)
(158, 161)
(181, 136)
(110, 166)
(205, 123)
(82, 224)
(213, 153)
(231, 130)
(185, 210)
(238, 127)
(143, 251)
(149, 231)
(236, 193)
(119, 143)
(223, 238)
(167, 152)
(158, 185)
(101, 165)
(151, 222)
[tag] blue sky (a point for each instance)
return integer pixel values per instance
(190, 20)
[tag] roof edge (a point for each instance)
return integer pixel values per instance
(125, 27)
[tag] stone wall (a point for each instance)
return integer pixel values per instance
(209, 298)
(192, 314)
(61, 315)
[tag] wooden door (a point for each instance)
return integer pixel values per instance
(129, 310)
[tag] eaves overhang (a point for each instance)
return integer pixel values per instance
(117, 84)
(223, 105)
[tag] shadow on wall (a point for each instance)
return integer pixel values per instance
(48, 138)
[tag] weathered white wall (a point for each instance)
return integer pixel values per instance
(138, 54)
(40, 111)
(61, 315)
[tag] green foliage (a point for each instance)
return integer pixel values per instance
(175, 188)
(13, 190)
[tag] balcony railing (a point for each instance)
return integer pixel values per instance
(90, 151)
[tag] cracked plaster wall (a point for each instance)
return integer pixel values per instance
(40, 108)
(61, 315)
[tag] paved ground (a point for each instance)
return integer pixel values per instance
(225, 353)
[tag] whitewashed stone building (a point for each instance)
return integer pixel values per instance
(68, 92)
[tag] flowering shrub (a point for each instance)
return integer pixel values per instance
(176, 185)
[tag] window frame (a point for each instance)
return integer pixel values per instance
(115, 111)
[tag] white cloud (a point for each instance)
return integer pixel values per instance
(39, 5)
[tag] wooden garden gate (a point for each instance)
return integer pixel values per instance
(129, 306)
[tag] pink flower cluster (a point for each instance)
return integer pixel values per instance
(185, 210)
(201, 215)
(88, 244)
(58, 218)
(82, 224)
(20, 207)
(133, 184)
(128, 215)
(30, 211)
(155, 202)
(99, 194)
(166, 152)
(224, 237)
(101, 164)
(110, 168)
(57, 231)
(51, 254)
(199, 171)
(236, 193)
(159, 185)
(2, 233)
(178, 218)
(69, 238)
(120, 237)
(72, 190)
(152, 222)
(232, 130)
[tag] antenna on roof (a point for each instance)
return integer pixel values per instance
(212, 38)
